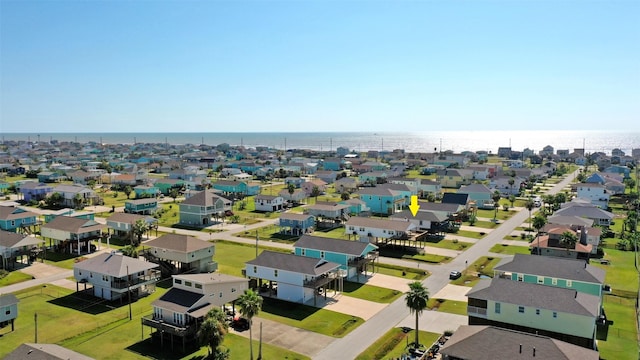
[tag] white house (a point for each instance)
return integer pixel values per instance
(597, 194)
(368, 229)
(113, 275)
(298, 278)
(269, 203)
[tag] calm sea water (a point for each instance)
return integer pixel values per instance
(457, 141)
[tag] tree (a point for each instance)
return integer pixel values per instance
(127, 191)
(529, 205)
(54, 200)
(416, 299)
(291, 189)
(78, 201)
(496, 203)
(630, 183)
(569, 239)
(511, 182)
(138, 229)
(250, 304)
(559, 199)
(512, 199)
(174, 193)
(130, 251)
(548, 202)
(315, 192)
(212, 332)
(538, 223)
(345, 195)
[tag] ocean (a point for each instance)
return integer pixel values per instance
(457, 141)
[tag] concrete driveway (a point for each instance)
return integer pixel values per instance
(452, 292)
(348, 305)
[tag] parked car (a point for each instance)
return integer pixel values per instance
(240, 324)
(455, 275)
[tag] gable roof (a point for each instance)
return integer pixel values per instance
(455, 198)
(129, 218)
(340, 246)
(10, 239)
(211, 278)
(8, 299)
(293, 263)
(72, 224)
(177, 300)
(425, 215)
(549, 266)
(114, 264)
(12, 213)
(590, 212)
(141, 201)
(180, 243)
(474, 188)
(536, 296)
(30, 351)
(450, 208)
(203, 198)
(494, 343)
(295, 217)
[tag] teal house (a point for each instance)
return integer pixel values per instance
(144, 206)
(14, 218)
(145, 191)
(296, 224)
(354, 257)
(382, 200)
(553, 271)
(165, 185)
(232, 188)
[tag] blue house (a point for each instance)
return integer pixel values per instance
(8, 310)
(35, 191)
(144, 191)
(617, 169)
(48, 176)
(14, 218)
(296, 181)
(296, 224)
(334, 164)
(382, 200)
(354, 257)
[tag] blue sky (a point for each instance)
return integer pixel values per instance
(210, 66)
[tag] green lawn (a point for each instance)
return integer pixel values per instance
(509, 249)
(399, 271)
(482, 266)
(448, 244)
(269, 232)
(370, 292)
(14, 277)
(448, 306)
(393, 344)
(322, 321)
(621, 343)
(471, 234)
(65, 261)
(482, 224)
(502, 215)
(232, 256)
(621, 273)
(399, 253)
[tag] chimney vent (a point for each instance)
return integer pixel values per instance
(520, 348)
(534, 351)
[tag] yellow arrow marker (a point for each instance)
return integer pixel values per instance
(414, 205)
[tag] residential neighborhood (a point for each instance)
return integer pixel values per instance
(528, 253)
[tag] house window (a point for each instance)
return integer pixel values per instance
(555, 315)
(302, 252)
(188, 283)
(569, 283)
(322, 254)
(520, 277)
(13, 223)
(497, 308)
(105, 278)
(540, 279)
(255, 269)
(233, 290)
(521, 309)
(275, 273)
(198, 286)
(221, 294)
(8, 311)
(90, 275)
(537, 311)
(554, 281)
(177, 281)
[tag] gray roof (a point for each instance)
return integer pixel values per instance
(380, 223)
(548, 266)
(29, 351)
(293, 263)
(10, 239)
(12, 213)
(179, 243)
(8, 299)
(590, 212)
(328, 207)
(129, 218)
(141, 201)
(203, 198)
(427, 215)
(348, 247)
(211, 278)
(536, 296)
(569, 220)
(294, 216)
(114, 264)
(266, 197)
(494, 343)
(72, 224)
(474, 188)
(446, 207)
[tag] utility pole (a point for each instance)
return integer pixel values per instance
(35, 319)
(129, 291)
(257, 238)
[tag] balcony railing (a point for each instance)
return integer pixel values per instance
(370, 257)
(158, 323)
(477, 311)
(152, 276)
(320, 281)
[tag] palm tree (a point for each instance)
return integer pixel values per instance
(569, 239)
(212, 331)
(529, 205)
(511, 182)
(138, 229)
(512, 199)
(315, 192)
(416, 299)
(496, 203)
(538, 223)
(127, 191)
(291, 189)
(130, 251)
(630, 183)
(250, 304)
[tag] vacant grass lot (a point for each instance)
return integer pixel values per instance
(621, 343)
(471, 275)
(269, 232)
(502, 215)
(448, 244)
(399, 271)
(14, 277)
(232, 256)
(370, 292)
(471, 234)
(322, 321)
(399, 253)
(448, 306)
(393, 344)
(509, 249)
